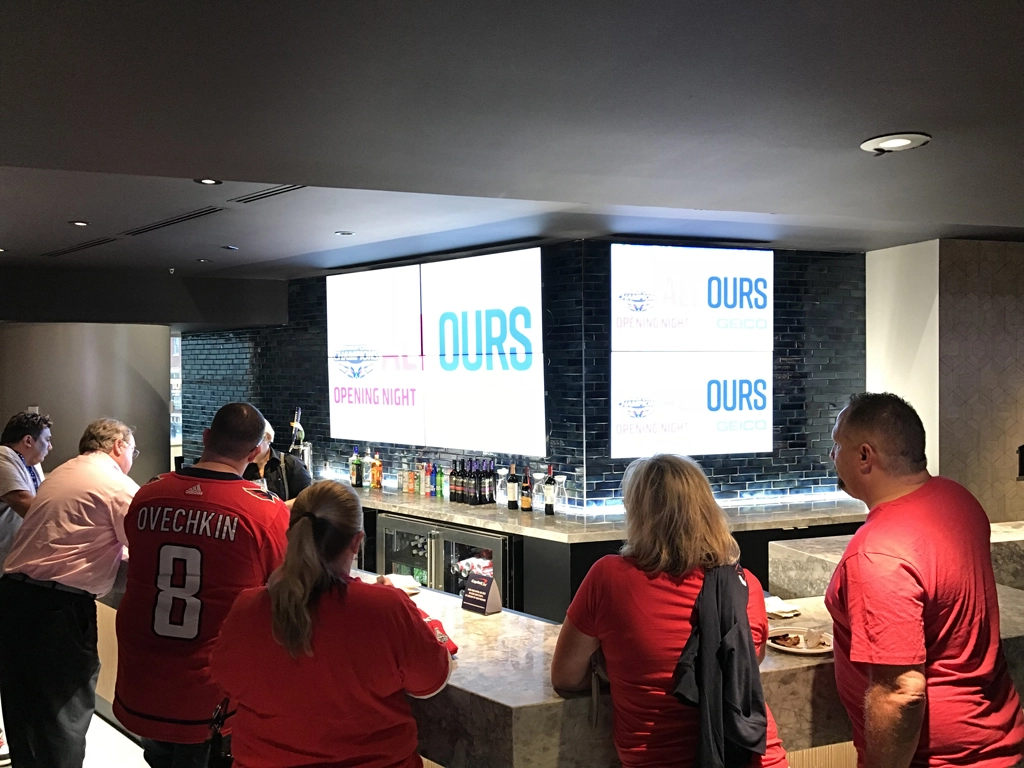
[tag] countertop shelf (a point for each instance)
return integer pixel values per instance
(797, 514)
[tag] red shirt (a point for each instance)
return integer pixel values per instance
(643, 622)
(346, 704)
(915, 586)
(195, 543)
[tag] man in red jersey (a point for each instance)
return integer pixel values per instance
(197, 538)
(918, 661)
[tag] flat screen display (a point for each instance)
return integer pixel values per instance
(691, 339)
(447, 354)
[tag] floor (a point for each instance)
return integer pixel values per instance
(107, 747)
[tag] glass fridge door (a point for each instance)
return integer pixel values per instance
(465, 553)
(405, 547)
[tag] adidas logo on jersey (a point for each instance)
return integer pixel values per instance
(195, 490)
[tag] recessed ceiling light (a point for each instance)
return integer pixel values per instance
(203, 261)
(230, 247)
(895, 142)
(79, 223)
(344, 232)
(1, 250)
(206, 181)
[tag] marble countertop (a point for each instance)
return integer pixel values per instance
(490, 517)
(500, 708)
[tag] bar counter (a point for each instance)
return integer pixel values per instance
(804, 567)
(500, 710)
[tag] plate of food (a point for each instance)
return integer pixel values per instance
(800, 640)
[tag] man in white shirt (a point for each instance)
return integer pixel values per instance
(24, 444)
(65, 555)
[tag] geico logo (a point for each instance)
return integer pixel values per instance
(487, 332)
(738, 426)
(737, 292)
(737, 395)
(742, 324)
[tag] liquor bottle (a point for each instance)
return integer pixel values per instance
(432, 479)
(417, 474)
(440, 484)
(513, 488)
(425, 479)
(355, 469)
(377, 472)
(471, 479)
(410, 479)
(549, 492)
(526, 494)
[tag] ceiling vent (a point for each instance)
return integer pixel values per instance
(171, 222)
(81, 246)
(265, 193)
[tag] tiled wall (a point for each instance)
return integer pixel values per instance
(819, 361)
(981, 370)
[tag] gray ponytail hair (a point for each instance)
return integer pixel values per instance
(325, 518)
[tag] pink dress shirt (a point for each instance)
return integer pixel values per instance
(74, 531)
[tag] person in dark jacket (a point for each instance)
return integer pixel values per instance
(285, 474)
(639, 608)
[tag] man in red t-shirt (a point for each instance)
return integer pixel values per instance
(918, 661)
(197, 538)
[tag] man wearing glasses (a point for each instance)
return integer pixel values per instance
(65, 554)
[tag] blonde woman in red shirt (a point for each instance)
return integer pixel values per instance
(636, 608)
(318, 664)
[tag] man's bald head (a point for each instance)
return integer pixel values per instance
(235, 431)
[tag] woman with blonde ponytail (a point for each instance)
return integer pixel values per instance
(318, 664)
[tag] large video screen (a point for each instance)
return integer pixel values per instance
(447, 354)
(691, 361)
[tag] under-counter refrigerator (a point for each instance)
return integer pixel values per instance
(442, 556)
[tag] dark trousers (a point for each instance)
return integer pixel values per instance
(48, 670)
(167, 754)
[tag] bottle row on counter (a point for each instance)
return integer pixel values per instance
(467, 481)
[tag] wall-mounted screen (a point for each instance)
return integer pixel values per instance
(448, 354)
(691, 340)
(375, 363)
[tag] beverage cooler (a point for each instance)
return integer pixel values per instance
(442, 557)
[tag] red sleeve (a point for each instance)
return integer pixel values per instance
(885, 603)
(584, 611)
(756, 614)
(273, 546)
(227, 654)
(422, 661)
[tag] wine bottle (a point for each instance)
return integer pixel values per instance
(549, 492)
(494, 483)
(355, 469)
(453, 492)
(513, 488)
(485, 483)
(462, 481)
(526, 494)
(471, 484)
(481, 496)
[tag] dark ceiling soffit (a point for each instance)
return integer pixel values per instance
(446, 255)
(638, 239)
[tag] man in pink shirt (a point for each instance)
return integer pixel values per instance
(65, 554)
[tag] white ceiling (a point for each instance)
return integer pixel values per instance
(425, 127)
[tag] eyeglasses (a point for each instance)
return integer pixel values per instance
(135, 451)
